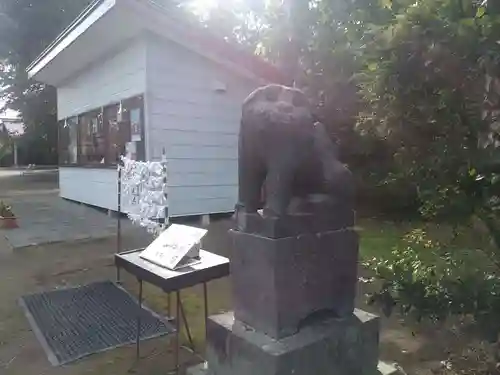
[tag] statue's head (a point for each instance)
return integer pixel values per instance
(278, 104)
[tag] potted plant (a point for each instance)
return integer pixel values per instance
(7, 218)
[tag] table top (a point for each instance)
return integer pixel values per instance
(210, 267)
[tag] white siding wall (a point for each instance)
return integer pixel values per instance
(97, 187)
(119, 76)
(197, 126)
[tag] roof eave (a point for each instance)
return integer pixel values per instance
(83, 22)
(99, 8)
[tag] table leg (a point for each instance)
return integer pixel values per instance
(169, 305)
(186, 326)
(118, 278)
(205, 300)
(177, 333)
(138, 332)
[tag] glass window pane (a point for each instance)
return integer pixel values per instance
(68, 134)
(92, 138)
(63, 142)
(102, 136)
(72, 124)
(115, 139)
(133, 122)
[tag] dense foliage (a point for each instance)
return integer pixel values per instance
(5, 145)
(428, 87)
(431, 280)
(424, 88)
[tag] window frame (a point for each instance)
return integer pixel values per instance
(136, 102)
(127, 105)
(90, 116)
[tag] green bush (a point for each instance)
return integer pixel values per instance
(425, 279)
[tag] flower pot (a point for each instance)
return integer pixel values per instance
(8, 223)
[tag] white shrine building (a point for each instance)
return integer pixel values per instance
(134, 77)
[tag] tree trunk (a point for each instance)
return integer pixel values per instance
(294, 47)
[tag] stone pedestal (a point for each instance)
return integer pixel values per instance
(294, 287)
(280, 285)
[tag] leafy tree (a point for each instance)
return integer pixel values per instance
(5, 144)
(321, 44)
(423, 83)
(239, 24)
(429, 84)
(26, 28)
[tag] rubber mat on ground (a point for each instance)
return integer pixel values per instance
(73, 323)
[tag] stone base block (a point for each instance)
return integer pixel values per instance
(279, 284)
(346, 346)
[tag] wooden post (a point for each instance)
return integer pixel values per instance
(119, 222)
(164, 162)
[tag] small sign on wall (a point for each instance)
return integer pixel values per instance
(174, 246)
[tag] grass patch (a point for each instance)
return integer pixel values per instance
(378, 238)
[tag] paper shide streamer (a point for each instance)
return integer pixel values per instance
(144, 193)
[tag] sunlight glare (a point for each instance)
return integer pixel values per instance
(205, 6)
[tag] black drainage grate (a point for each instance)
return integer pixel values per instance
(74, 323)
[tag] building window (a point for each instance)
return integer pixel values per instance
(68, 141)
(100, 137)
(92, 138)
(133, 123)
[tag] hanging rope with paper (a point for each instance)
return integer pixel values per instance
(145, 193)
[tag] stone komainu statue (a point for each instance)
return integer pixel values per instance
(282, 148)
